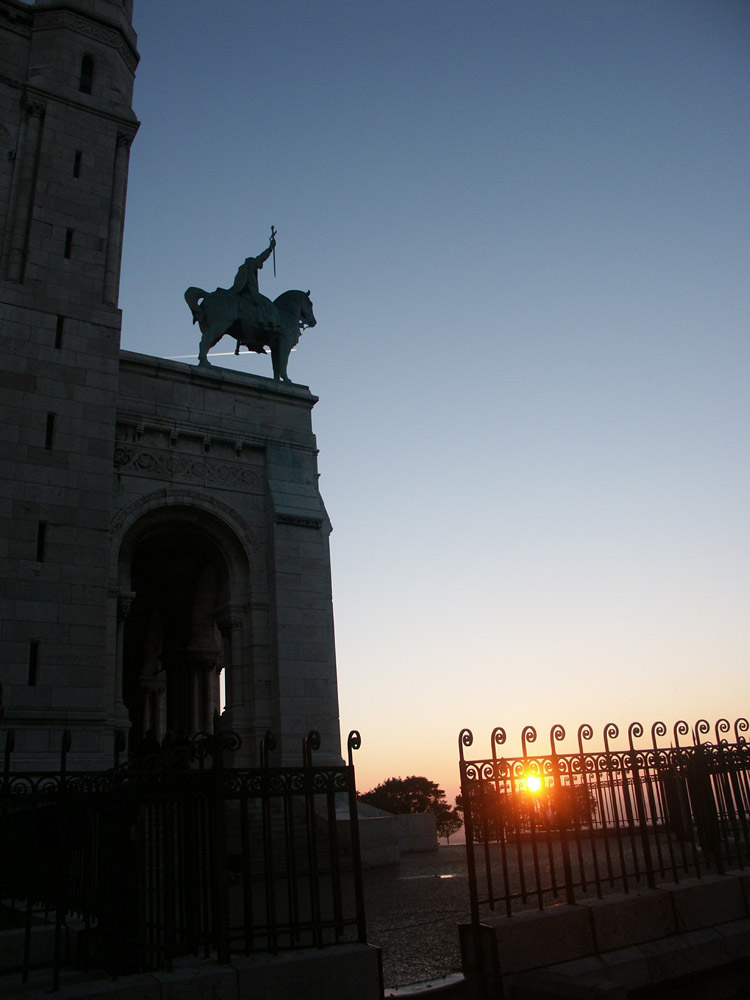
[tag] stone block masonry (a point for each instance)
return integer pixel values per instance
(648, 940)
(233, 457)
(165, 546)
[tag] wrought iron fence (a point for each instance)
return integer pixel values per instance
(558, 826)
(175, 854)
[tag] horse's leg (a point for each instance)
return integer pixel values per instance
(281, 361)
(208, 339)
(276, 361)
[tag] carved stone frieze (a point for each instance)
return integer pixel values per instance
(176, 466)
(226, 625)
(125, 138)
(35, 109)
(204, 660)
(230, 618)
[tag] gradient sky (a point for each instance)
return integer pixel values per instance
(525, 225)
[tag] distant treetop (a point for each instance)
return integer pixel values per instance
(414, 795)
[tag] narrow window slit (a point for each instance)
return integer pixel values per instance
(49, 432)
(86, 79)
(41, 537)
(33, 662)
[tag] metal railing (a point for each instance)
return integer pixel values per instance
(550, 827)
(176, 854)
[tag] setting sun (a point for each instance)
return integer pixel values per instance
(533, 782)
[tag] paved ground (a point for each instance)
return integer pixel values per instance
(413, 912)
(414, 908)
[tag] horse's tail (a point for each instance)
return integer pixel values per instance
(193, 296)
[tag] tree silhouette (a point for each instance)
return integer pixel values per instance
(414, 795)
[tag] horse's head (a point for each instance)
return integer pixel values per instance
(306, 315)
(297, 306)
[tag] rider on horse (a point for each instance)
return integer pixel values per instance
(252, 319)
(257, 313)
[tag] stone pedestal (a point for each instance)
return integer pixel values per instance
(227, 463)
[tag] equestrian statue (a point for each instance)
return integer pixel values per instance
(244, 313)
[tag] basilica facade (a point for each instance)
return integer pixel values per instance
(163, 541)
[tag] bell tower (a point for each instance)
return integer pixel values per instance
(66, 125)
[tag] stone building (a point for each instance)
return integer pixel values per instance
(164, 545)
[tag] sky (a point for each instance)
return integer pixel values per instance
(525, 225)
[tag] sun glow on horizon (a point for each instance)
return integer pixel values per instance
(533, 782)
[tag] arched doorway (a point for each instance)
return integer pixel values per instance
(173, 652)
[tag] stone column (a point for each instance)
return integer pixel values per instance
(152, 694)
(116, 219)
(23, 198)
(205, 666)
(230, 621)
(124, 603)
(238, 711)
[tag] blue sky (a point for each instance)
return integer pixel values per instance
(525, 225)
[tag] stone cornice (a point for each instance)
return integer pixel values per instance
(135, 425)
(88, 25)
(217, 377)
(19, 16)
(299, 521)
(127, 126)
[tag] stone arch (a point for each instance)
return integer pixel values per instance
(184, 586)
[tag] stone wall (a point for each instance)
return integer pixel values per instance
(615, 946)
(110, 460)
(235, 455)
(63, 178)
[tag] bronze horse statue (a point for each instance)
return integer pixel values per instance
(226, 312)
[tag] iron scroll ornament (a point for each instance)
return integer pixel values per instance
(722, 726)
(497, 739)
(556, 733)
(353, 743)
(681, 728)
(465, 739)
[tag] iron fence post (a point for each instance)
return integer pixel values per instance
(221, 875)
(62, 860)
(558, 733)
(312, 841)
(465, 739)
(354, 742)
(267, 744)
(4, 808)
(636, 729)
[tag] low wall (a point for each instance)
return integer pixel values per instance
(384, 837)
(417, 832)
(379, 840)
(346, 972)
(612, 946)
